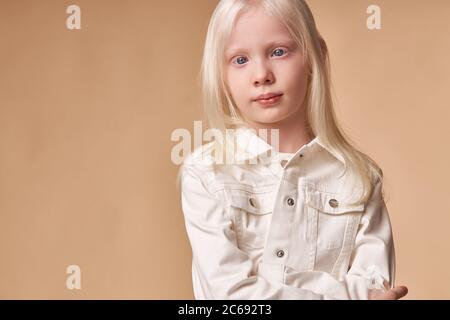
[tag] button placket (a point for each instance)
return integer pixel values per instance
(278, 241)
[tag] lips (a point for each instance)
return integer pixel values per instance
(267, 96)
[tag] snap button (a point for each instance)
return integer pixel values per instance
(252, 202)
(290, 202)
(280, 253)
(333, 203)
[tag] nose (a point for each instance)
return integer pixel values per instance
(263, 74)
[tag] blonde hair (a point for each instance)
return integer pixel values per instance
(297, 17)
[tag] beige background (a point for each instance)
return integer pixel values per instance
(85, 123)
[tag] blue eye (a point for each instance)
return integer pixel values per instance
(239, 60)
(242, 59)
(278, 50)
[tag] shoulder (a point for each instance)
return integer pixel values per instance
(200, 159)
(200, 181)
(199, 165)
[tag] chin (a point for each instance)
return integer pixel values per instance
(272, 118)
(267, 121)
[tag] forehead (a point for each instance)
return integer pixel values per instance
(256, 27)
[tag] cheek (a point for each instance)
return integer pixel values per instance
(236, 84)
(297, 79)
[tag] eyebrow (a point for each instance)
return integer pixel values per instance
(270, 44)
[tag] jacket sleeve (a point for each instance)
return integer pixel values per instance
(372, 261)
(223, 270)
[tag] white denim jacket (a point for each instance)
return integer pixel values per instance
(282, 229)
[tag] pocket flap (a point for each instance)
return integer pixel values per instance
(332, 203)
(256, 203)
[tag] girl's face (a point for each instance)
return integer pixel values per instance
(261, 58)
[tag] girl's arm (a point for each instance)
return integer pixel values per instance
(222, 270)
(372, 261)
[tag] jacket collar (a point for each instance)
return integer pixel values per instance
(251, 146)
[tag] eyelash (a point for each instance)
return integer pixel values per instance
(272, 52)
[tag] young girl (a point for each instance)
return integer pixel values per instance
(309, 220)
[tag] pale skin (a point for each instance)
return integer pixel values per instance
(261, 57)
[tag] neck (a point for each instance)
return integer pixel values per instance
(293, 133)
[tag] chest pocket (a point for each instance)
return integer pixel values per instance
(252, 214)
(331, 219)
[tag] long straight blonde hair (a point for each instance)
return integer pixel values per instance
(222, 112)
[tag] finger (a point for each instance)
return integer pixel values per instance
(388, 295)
(400, 291)
(393, 294)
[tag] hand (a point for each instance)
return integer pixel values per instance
(393, 294)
